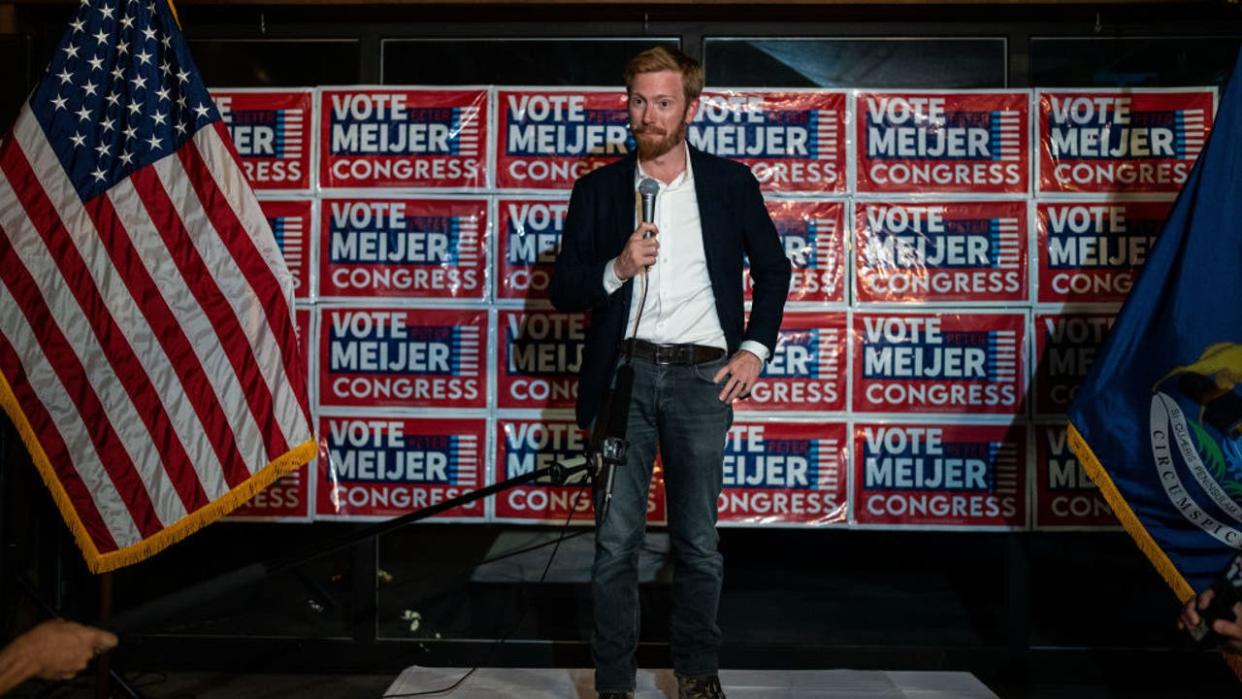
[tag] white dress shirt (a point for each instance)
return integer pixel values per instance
(680, 306)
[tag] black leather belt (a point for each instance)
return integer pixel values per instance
(671, 355)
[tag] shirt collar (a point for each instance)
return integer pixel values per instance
(686, 176)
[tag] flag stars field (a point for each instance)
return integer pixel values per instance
(136, 82)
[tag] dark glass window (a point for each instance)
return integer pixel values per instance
(277, 62)
(15, 78)
(1138, 62)
(871, 63)
(437, 583)
(510, 62)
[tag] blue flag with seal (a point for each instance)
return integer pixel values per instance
(1158, 421)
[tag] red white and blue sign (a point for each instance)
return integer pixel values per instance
(524, 445)
(1065, 347)
(1134, 141)
(540, 353)
(528, 241)
(402, 357)
(402, 138)
(292, 222)
(813, 234)
(917, 252)
(403, 248)
(932, 474)
(1065, 496)
(807, 372)
(939, 363)
(286, 499)
(383, 467)
(272, 132)
(1092, 251)
(792, 141)
(547, 139)
(785, 473)
(942, 142)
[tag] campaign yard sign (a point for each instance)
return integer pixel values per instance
(813, 235)
(1065, 347)
(402, 357)
(793, 141)
(528, 240)
(1065, 496)
(293, 225)
(1124, 141)
(524, 445)
(925, 142)
(939, 363)
(1092, 251)
(403, 248)
(807, 372)
(272, 130)
(547, 139)
(785, 473)
(403, 138)
(374, 467)
(931, 474)
(539, 355)
(940, 252)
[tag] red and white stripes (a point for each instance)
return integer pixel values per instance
(146, 337)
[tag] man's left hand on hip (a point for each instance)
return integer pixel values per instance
(742, 371)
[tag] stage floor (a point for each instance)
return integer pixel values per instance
(498, 683)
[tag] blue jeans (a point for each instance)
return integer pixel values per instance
(676, 409)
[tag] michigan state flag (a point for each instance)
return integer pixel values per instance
(1158, 423)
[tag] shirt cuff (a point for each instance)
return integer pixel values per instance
(611, 281)
(756, 348)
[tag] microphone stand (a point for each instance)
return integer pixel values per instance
(162, 607)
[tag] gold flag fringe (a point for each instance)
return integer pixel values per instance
(98, 562)
(1129, 520)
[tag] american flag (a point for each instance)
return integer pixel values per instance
(148, 354)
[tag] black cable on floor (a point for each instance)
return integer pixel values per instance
(573, 506)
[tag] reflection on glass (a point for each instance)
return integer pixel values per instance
(277, 62)
(310, 600)
(1146, 62)
(451, 582)
(872, 63)
(15, 78)
(511, 62)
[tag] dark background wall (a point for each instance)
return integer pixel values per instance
(1005, 606)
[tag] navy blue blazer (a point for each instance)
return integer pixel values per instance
(601, 219)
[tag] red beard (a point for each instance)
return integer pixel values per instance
(651, 148)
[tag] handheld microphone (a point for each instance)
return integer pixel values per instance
(648, 189)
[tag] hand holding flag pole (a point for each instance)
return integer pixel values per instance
(1157, 423)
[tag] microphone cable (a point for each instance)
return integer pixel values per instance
(573, 506)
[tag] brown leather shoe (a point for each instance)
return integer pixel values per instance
(705, 687)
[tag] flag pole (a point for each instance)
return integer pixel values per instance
(173, 8)
(103, 666)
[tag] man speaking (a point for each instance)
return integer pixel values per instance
(665, 296)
